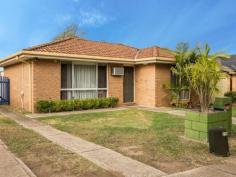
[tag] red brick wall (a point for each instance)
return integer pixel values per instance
(41, 79)
(163, 77)
(115, 84)
(20, 85)
(46, 80)
(149, 81)
(145, 85)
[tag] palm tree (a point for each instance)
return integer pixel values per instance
(204, 75)
(183, 57)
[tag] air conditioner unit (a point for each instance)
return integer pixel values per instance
(118, 71)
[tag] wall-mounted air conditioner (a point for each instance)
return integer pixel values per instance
(118, 71)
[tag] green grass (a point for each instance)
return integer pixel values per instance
(153, 138)
(42, 156)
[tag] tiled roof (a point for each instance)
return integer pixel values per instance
(228, 64)
(103, 49)
(154, 51)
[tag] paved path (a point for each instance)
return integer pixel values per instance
(10, 166)
(38, 115)
(178, 112)
(172, 111)
(224, 170)
(103, 157)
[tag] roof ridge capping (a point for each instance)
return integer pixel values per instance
(113, 43)
(156, 51)
(50, 43)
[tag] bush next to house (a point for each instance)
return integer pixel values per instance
(232, 95)
(46, 106)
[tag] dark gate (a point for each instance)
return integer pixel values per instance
(4, 90)
(128, 84)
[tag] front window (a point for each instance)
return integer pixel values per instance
(81, 81)
(184, 93)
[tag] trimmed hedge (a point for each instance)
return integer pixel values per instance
(232, 95)
(46, 106)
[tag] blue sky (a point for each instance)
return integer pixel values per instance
(140, 23)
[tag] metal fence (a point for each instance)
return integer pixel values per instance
(4, 90)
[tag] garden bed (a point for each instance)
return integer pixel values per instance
(150, 137)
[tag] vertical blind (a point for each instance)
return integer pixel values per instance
(82, 81)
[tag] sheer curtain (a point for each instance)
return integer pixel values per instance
(81, 81)
(85, 80)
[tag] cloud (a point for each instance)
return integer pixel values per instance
(92, 17)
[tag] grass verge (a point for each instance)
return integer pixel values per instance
(42, 156)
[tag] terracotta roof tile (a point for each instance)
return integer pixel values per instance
(104, 49)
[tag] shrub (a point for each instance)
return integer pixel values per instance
(104, 103)
(43, 106)
(113, 101)
(70, 105)
(86, 104)
(232, 95)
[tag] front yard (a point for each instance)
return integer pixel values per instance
(42, 156)
(152, 138)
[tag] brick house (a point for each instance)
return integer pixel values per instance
(79, 68)
(228, 82)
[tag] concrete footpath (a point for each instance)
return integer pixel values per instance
(228, 169)
(173, 111)
(11, 166)
(99, 155)
(39, 115)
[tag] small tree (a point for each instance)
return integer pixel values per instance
(183, 58)
(204, 75)
(70, 31)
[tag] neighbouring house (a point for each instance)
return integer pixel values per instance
(78, 68)
(228, 82)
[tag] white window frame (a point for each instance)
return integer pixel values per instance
(73, 89)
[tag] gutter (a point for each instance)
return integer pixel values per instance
(25, 55)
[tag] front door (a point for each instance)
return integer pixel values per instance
(128, 88)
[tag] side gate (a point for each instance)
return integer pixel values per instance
(4, 90)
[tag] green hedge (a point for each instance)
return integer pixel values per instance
(232, 95)
(71, 105)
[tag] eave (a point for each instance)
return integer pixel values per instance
(27, 55)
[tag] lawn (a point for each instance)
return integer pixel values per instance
(42, 156)
(152, 138)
